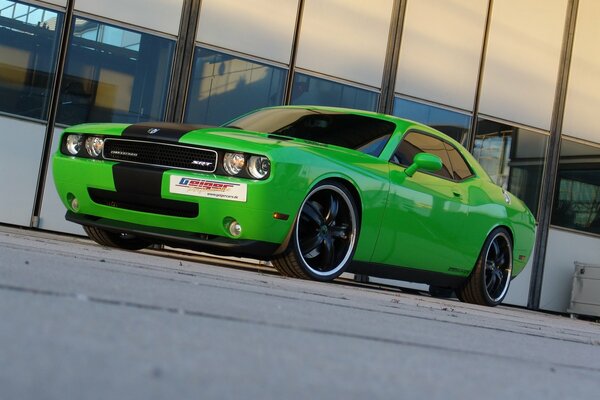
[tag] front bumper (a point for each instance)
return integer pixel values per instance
(182, 239)
(149, 203)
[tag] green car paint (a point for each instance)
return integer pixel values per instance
(411, 220)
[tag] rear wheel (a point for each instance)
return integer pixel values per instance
(324, 235)
(488, 283)
(115, 239)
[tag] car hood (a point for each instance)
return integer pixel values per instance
(231, 139)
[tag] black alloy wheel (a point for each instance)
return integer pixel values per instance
(324, 235)
(489, 281)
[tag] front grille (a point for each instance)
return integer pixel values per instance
(144, 203)
(160, 154)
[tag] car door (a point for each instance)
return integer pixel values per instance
(426, 214)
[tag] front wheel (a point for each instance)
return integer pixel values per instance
(324, 235)
(488, 283)
(114, 239)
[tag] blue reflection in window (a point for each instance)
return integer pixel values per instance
(453, 124)
(577, 191)
(308, 90)
(29, 37)
(114, 75)
(224, 86)
(513, 157)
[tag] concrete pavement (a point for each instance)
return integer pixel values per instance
(78, 321)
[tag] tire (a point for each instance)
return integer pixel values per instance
(488, 283)
(115, 239)
(324, 235)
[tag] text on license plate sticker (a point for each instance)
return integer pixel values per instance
(208, 188)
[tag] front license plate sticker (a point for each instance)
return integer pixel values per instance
(208, 188)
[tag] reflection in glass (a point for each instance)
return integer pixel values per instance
(513, 157)
(358, 132)
(577, 192)
(308, 90)
(453, 124)
(114, 75)
(28, 48)
(224, 87)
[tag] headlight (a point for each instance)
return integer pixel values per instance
(94, 146)
(233, 163)
(74, 143)
(259, 167)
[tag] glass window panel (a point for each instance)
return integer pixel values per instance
(453, 124)
(522, 59)
(114, 75)
(263, 28)
(345, 39)
(225, 86)
(29, 38)
(513, 157)
(440, 51)
(159, 15)
(316, 91)
(583, 91)
(577, 192)
(415, 143)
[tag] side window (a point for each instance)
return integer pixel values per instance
(414, 143)
(459, 165)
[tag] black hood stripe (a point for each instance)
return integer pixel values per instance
(135, 179)
(160, 131)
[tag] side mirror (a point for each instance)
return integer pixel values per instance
(424, 161)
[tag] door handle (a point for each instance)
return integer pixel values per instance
(457, 194)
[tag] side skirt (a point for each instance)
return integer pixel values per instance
(406, 274)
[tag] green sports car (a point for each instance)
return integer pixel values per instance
(316, 190)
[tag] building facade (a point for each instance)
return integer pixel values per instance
(516, 81)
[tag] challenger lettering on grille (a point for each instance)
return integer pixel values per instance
(122, 153)
(160, 154)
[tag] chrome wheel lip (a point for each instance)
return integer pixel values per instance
(506, 272)
(352, 234)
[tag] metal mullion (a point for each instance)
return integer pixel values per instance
(552, 159)
(289, 81)
(473, 127)
(183, 61)
(52, 112)
(388, 81)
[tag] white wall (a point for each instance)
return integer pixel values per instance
(159, 15)
(52, 215)
(345, 39)
(20, 155)
(523, 56)
(263, 28)
(441, 49)
(564, 248)
(518, 292)
(583, 94)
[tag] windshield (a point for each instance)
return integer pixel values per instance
(366, 134)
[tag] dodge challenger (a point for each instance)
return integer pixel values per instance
(318, 191)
